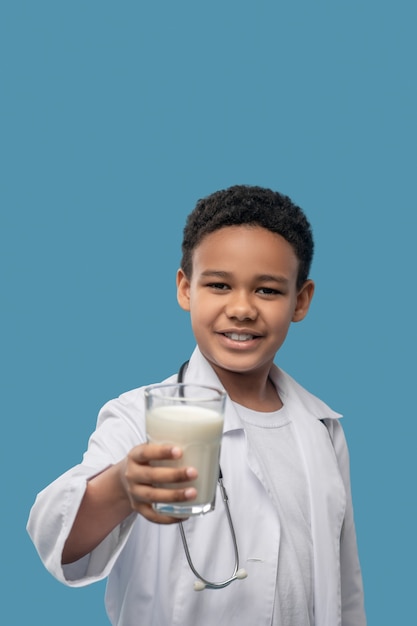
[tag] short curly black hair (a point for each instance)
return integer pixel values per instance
(252, 205)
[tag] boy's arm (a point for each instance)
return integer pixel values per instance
(128, 486)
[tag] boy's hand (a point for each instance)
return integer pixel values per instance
(141, 480)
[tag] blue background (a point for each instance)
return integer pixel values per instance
(115, 119)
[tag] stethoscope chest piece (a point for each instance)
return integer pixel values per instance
(199, 585)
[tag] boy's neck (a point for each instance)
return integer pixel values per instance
(254, 392)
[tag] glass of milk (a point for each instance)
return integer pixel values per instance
(191, 417)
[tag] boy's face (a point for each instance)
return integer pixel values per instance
(242, 297)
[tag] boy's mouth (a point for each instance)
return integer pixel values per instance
(239, 336)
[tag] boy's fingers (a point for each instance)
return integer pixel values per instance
(134, 474)
(153, 452)
(150, 475)
(145, 482)
(143, 496)
(149, 494)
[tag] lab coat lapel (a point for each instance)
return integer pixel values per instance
(327, 493)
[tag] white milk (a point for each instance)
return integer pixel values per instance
(197, 431)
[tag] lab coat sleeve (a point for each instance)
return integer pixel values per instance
(51, 520)
(353, 612)
(56, 507)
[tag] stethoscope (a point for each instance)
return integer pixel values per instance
(238, 573)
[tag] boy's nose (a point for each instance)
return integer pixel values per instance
(241, 307)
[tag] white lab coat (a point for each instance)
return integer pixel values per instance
(149, 580)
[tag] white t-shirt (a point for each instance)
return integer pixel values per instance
(271, 437)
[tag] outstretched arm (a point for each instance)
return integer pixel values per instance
(131, 485)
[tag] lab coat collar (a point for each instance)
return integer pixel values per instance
(293, 395)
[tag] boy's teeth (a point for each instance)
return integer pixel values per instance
(239, 337)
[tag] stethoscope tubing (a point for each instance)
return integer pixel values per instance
(238, 573)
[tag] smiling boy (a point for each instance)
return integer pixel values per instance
(242, 296)
(244, 279)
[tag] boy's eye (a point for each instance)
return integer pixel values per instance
(219, 286)
(268, 291)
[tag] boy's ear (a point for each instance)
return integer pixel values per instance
(304, 297)
(183, 290)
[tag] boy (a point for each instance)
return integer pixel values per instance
(244, 278)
